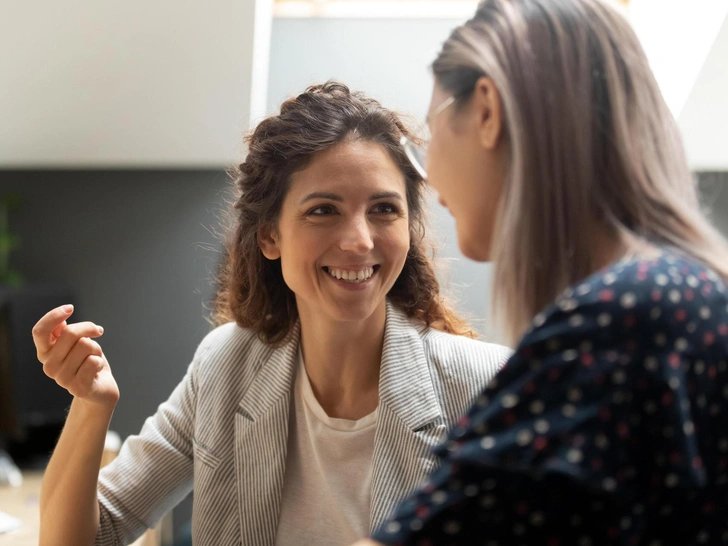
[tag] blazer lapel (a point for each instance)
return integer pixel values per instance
(409, 418)
(261, 440)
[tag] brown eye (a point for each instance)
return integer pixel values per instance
(322, 210)
(386, 208)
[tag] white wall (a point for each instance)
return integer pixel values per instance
(704, 118)
(389, 60)
(677, 37)
(687, 45)
(94, 83)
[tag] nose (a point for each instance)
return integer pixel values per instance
(356, 236)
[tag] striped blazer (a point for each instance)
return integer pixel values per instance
(223, 432)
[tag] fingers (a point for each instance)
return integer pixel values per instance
(63, 348)
(68, 338)
(82, 383)
(72, 358)
(44, 329)
(65, 371)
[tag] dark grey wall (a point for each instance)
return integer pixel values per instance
(714, 196)
(136, 248)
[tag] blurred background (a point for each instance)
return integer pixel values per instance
(118, 121)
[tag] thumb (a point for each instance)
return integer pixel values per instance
(55, 334)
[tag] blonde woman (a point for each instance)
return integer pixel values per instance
(557, 156)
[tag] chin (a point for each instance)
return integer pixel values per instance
(474, 250)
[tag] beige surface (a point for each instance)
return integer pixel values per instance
(22, 503)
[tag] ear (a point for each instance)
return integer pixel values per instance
(268, 242)
(489, 109)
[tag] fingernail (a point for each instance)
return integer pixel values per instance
(101, 329)
(67, 308)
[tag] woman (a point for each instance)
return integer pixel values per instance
(312, 409)
(557, 156)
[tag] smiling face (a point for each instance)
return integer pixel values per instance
(343, 232)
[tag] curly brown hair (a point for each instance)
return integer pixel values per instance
(251, 289)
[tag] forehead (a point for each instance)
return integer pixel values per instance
(351, 167)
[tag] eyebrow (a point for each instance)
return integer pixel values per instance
(321, 195)
(386, 195)
(339, 199)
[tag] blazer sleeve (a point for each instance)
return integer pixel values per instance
(154, 469)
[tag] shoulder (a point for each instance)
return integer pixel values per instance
(226, 337)
(642, 302)
(458, 368)
(453, 351)
(441, 350)
(228, 347)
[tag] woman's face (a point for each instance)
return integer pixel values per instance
(343, 232)
(466, 163)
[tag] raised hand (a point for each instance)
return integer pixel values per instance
(73, 359)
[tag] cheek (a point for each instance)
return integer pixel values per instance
(296, 258)
(448, 167)
(288, 268)
(437, 167)
(396, 242)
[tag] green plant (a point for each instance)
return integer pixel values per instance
(8, 241)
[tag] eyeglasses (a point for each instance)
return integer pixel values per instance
(417, 154)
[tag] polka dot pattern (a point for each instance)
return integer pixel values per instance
(609, 425)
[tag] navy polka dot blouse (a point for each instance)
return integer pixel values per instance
(609, 425)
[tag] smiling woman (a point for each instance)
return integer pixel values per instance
(313, 407)
(313, 171)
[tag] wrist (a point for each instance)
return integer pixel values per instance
(92, 411)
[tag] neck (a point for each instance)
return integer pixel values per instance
(342, 361)
(608, 247)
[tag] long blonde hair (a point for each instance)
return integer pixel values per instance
(592, 142)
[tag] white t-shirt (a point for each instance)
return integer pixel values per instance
(327, 485)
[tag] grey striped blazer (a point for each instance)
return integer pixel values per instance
(224, 429)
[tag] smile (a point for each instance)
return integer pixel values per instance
(351, 275)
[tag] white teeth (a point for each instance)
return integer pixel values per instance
(352, 276)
